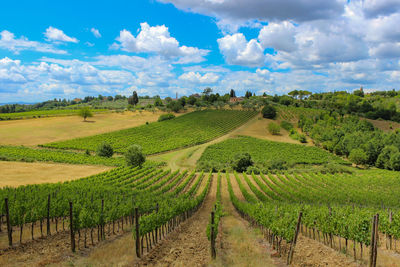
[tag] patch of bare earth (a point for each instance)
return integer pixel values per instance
(385, 125)
(55, 250)
(188, 245)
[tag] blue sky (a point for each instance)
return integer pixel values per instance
(68, 49)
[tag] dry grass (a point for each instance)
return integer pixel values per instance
(119, 252)
(20, 173)
(241, 244)
(44, 130)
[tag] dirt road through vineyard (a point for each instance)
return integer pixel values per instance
(188, 245)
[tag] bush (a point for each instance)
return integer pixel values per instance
(333, 168)
(269, 112)
(134, 156)
(165, 117)
(274, 128)
(277, 164)
(210, 166)
(286, 125)
(358, 156)
(302, 138)
(241, 161)
(105, 150)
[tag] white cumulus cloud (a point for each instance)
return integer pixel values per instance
(56, 35)
(197, 78)
(157, 39)
(238, 51)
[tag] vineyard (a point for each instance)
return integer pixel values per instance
(262, 151)
(20, 153)
(352, 212)
(290, 113)
(43, 113)
(103, 202)
(334, 209)
(193, 128)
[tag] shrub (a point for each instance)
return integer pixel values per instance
(105, 150)
(358, 156)
(87, 152)
(277, 164)
(286, 125)
(212, 166)
(165, 117)
(274, 128)
(268, 112)
(332, 168)
(302, 138)
(134, 156)
(241, 161)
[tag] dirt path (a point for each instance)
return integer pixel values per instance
(241, 244)
(188, 245)
(187, 157)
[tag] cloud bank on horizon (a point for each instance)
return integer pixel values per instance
(184, 46)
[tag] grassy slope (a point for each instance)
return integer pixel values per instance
(38, 131)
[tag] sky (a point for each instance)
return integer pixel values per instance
(68, 49)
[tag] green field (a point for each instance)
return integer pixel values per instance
(20, 153)
(186, 130)
(43, 113)
(263, 151)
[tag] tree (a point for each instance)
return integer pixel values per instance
(269, 112)
(395, 161)
(359, 92)
(133, 99)
(241, 161)
(294, 93)
(383, 160)
(274, 128)
(134, 156)
(158, 102)
(232, 93)
(105, 150)
(248, 94)
(85, 113)
(358, 156)
(175, 106)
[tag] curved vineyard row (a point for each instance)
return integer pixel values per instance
(332, 217)
(193, 128)
(103, 199)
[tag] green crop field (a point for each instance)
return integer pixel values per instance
(20, 153)
(262, 151)
(290, 113)
(189, 129)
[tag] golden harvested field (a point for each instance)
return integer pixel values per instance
(21, 173)
(31, 132)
